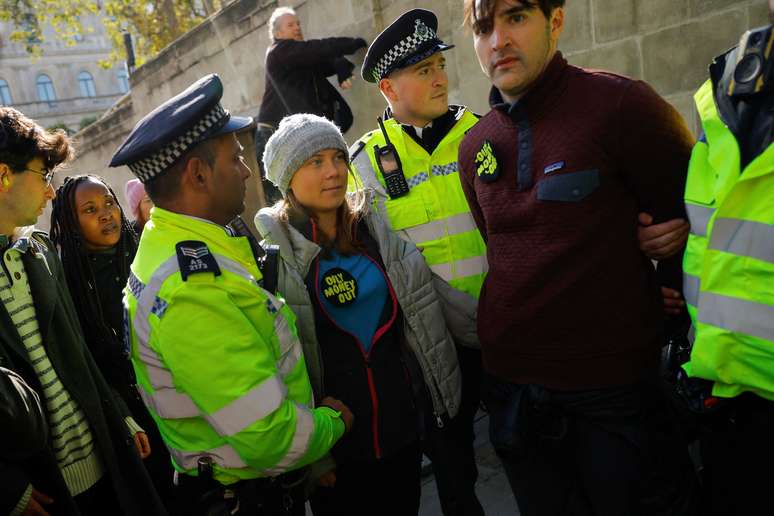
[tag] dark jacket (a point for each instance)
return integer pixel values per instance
(377, 385)
(23, 425)
(570, 302)
(113, 361)
(64, 343)
(296, 81)
(112, 357)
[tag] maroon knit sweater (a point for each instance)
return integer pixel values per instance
(570, 302)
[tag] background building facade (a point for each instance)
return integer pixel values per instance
(65, 87)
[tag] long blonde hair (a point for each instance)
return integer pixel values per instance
(354, 207)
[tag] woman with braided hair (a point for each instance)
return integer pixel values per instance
(97, 245)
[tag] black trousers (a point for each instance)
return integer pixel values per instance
(451, 448)
(602, 452)
(737, 452)
(283, 496)
(385, 487)
(98, 500)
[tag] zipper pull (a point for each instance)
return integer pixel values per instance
(438, 420)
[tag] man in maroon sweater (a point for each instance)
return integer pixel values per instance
(570, 315)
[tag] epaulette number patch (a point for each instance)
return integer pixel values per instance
(194, 256)
(487, 167)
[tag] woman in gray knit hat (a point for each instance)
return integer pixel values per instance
(369, 320)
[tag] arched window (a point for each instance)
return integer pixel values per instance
(86, 83)
(123, 81)
(45, 88)
(5, 93)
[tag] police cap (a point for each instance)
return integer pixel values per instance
(407, 41)
(167, 132)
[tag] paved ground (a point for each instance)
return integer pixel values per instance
(492, 487)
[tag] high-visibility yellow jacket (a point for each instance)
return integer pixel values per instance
(729, 261)
(217, 358)
(434, 215)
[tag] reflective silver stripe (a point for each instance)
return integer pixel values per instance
(145, 304)
(737, 315)
(149, 357)
(234, 267)
(461, 268)
(699, 217)
(259, 402)
(436, 229)
(743, 238)
(166, 402)
(160, 377)
(290, 347)
(300, 443)
(170, 404)
(224, 456)
(691, 285)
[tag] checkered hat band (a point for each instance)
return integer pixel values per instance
(401, 50)
(148, 168)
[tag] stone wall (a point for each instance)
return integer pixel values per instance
(668, 43)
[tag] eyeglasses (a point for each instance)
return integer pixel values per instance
(48, 175)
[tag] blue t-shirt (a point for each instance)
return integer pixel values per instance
(353, 291)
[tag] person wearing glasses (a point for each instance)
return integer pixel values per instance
(91, 464)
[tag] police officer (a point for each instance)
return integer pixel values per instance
(217, 358)
(728, 270)
(410, 163)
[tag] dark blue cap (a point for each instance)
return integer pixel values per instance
(406, 41)
(167, 132)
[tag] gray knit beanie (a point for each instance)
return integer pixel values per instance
(298, 138)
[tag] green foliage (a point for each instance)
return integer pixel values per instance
(62, 126)
(154, 24)
(87, 121)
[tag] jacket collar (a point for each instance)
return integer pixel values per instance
(721, 73)
(298, 250)
(434, 132)
(39, 265)
(543, 93)
(207, 231)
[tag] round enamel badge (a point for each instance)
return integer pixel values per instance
(339, 287)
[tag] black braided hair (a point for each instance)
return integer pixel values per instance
(66, 235)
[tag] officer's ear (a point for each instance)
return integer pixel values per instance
(389, 89)
(197, 173)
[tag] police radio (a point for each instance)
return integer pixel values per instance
(269, 265)
(752, 73)
(389, 165)
(267, 258)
